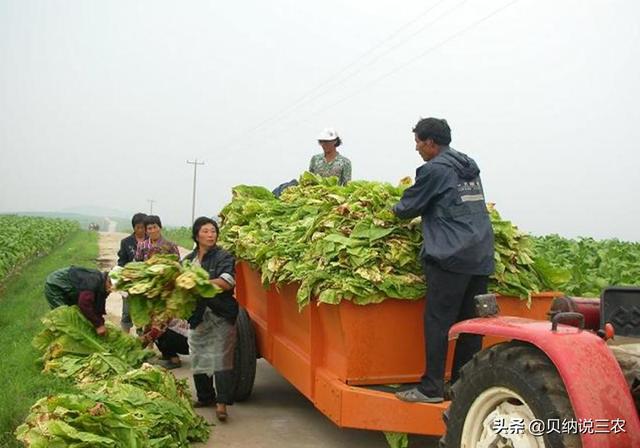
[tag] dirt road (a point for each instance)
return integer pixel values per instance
(109, 243)
(276, 415)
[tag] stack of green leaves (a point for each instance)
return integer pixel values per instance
(87, 369)
(339, 242)
(69, 340)
(161, 288)
(146, 407)
(591, 265)
(345, 243)
(519, 272)
(116, 404)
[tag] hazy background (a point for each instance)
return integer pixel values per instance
(102, 102)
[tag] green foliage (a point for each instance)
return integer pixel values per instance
(145, 407)
(345, 243)
(397, 439)
(518, 272)
(161, 288)
(114, 404)
(590, 265)
(341, 243)
(67, 332)
(24, 237)
(179, 235)
(22, 304)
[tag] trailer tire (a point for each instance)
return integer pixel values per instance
(511, 379)
(245, 357)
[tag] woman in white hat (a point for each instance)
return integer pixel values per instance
(331, 162)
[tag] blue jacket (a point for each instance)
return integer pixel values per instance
(456, 227)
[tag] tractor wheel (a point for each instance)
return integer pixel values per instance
(245, 357)
(511, 383)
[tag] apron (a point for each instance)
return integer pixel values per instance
(212, 343)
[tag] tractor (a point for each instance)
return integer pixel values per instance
(571, 382)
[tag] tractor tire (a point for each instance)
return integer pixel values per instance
(508, 380)
(245, 357)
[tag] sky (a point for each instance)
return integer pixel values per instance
(103, 102)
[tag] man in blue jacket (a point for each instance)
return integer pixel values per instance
(457, 253)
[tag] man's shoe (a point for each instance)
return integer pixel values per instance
(415, 396)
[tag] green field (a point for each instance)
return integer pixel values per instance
(123, 224)
(591, 265)
(25, 237)
(179, 235)
(22, 304)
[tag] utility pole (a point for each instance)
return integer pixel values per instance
(151, 201)
(193, 203)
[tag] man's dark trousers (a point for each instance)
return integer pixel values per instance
(449, 300)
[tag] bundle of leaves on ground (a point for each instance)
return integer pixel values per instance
(344, 242)
(161, 288)
(87, 369)
(146, 407)
(70, 347)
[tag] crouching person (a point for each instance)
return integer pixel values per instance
(171, 340)
(212, 334)
(87, 288)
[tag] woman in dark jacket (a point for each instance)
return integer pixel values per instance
(212, 334)
(127, 254)
(87, 288)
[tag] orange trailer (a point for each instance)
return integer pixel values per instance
(336, 355)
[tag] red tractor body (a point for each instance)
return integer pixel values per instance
(593, 379)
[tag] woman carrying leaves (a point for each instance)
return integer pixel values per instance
(212, 334)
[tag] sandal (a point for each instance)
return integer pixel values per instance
(415, 396)
(221, 415)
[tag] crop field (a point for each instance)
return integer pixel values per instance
(179, 235)
(25, 237)
(590, 265)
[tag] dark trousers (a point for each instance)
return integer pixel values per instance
(171, 343)
(449, 300)
(125, 320)
(224, 385)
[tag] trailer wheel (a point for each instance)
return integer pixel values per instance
(505, 382)
(245, 357)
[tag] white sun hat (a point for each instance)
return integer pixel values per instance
(328, 134)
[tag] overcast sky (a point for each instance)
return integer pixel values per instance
(102, 102)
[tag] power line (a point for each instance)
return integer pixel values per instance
(415, 59)
(379, 56)
(303, 99)
(409, 62)
(151, 202)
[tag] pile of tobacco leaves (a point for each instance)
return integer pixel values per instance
(161, 288)
(118, 401)
(71, 348)
(345, 243)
